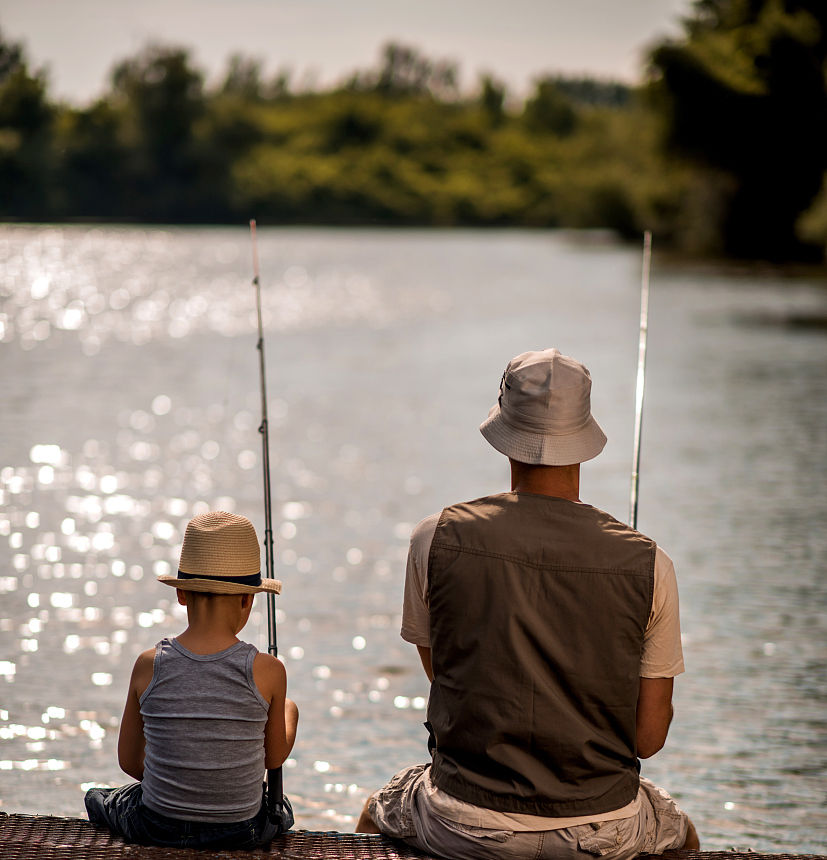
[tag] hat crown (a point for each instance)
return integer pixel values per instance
(546, 391)
(220, 544)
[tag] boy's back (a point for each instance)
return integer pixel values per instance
(204, 722)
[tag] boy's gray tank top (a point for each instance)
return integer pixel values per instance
(204, 724)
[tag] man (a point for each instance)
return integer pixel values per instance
(550, 634)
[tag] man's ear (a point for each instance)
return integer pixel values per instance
(182, 596)
(247, 601)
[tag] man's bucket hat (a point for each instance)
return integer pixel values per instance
(221, 555)
(543, 415)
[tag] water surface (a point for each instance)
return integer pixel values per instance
(130, 399)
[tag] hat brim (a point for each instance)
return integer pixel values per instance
(217, 586)
(543, 449)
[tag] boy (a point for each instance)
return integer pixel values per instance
(206, 713)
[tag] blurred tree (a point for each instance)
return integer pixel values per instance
(594, 93)
(279, 86)
(353, 122)
(92, 155)
(549, 110)
(745, 98)
(26, 152)
(812, 225)
(405, 71)
(243, 77)
(492, 99)
(162, 98)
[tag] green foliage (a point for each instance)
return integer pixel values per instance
(745, 98)
(404, 71)
(26, 153)
(161, 98)
(812, 225)
(721, 152)
(549, 110)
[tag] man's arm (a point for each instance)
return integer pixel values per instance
(654, 714)
(416, 626)
(425, 657)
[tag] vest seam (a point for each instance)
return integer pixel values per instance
(563, 568)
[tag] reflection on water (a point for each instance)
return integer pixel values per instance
(131, 401)
(125, 285)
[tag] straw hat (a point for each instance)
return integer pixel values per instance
(543, 415)
(221, 555)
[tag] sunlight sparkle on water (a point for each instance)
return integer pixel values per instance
(34, 764)
(48, 455)
(161, 405)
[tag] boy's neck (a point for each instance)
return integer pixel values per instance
(213, 623)
(205, 642)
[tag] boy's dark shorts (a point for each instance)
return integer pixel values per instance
(123, 812)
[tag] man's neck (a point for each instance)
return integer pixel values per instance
(562, 482)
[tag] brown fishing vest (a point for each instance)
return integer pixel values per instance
(538, 608)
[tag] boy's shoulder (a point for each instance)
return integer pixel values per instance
(145, 660)
(142, 671)
(270, 675)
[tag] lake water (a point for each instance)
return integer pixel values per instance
(130, 402)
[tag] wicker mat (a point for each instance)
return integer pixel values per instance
(44, 837)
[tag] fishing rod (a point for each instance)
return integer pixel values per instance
(641, 374)
(275, 791)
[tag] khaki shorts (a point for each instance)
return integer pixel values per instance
(401, 810)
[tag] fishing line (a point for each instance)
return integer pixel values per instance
(275, 796)
(641, 374)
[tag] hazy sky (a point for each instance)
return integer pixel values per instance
(79, 40)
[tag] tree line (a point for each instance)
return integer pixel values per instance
(721, 150)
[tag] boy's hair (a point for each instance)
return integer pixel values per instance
(201, 596)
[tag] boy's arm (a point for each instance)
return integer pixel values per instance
(283, 717)
(131, 741)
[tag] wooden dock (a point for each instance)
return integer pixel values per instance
(45, 837)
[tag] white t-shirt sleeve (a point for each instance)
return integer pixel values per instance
(662, 655)
(416, 627)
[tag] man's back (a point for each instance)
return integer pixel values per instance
(538, 608)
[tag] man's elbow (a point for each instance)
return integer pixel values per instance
(647, 747)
